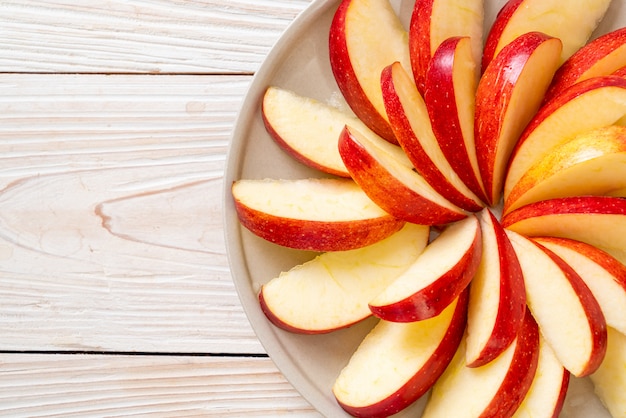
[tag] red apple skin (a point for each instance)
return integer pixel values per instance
(581, 61)
(439, 96)
(491, 42)
(593, 312)
(501, 76)
(387, 191)
(512, 306)
(312, 235)
(433, 299)
(423, 380)
(419, 41)
(413, 148)
(346, 78)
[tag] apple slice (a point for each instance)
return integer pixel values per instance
(610, 379)
(434, 21)
(497, 296)
(574, 326)
(437, 277)
(410, 122)
(358, 54)
(602, 101)
(307, 129)
(602, 273)
(573, 24)
(450, 94)
(312, 214)
(332, 290)
(602, 56)
(508, 96)
(397, 363)
(596, 220)
(592, 163)
(546, 395)
(384, 172)
(493, 390)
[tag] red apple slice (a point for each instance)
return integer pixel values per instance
(573, 25)
(508, 96)
(397, 363)
(602, 56)
(491, 391)
(437, 277)
(384, 172)
(497, 296)
(450, 93)
(410, 122)
(546, 395)
(610, 379)
(358, 54)
(332, 290)
(602, 101)
(307, 129)
(312, 214)
(602, 273)
(573, 323)
(434, 21)
(592, 163)
(596, 220)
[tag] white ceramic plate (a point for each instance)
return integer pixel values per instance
(299, 61)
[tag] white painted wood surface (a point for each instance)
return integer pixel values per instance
(115, 118)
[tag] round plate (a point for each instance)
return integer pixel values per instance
(299, 62)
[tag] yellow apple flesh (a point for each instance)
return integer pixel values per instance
(610, 379)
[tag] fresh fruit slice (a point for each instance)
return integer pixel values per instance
(437, 277)
(312, 214)
(450, 94)
(493, 390)
(602, 56)
(307, 129)
(610, 379)
(434, 21)
(332, 290)
(573, 24)
(592, 163)
(508, 96)
(602, 273)
(384, 172)
(397, 363)
(601, 101)
(358, 54)
(573, 323)
(497, 296)
(409, 120)
(596, 220)
(546, 395)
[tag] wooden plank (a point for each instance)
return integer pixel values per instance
(155, 386)
(110, 214)
(155, 36)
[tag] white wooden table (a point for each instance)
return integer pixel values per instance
(115, 118)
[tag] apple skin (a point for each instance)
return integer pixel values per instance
(511, 305)
(430, 300)
(460, 389)
(596, 220)
(410, 122)
(523, 69)
(602, 99)
(424, 206)
(451, 108)
(312, 234)
(353, 90)
(601, 56)
(427, 374)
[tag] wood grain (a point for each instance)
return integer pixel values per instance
(141, 36)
